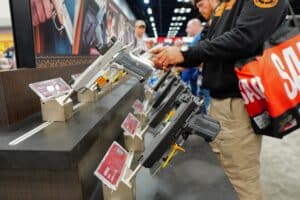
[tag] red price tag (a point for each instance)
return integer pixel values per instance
(50, 88)
(138, 107)
(130, 124)
(110, 169)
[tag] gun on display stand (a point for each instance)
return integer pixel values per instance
(161, 81)
(186, 121)
(119, 54)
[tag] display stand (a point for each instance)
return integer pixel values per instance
(125, 190)
(93, 95)
(133, 141)
(54, 105)
(56, 110)
(88, 96)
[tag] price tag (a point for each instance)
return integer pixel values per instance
(50, 88)
(138, 107)
(110, 169)
(130, 124)
(147, 88)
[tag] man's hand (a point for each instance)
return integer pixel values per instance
(42, 11)
(166, 57)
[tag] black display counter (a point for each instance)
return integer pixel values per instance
(58, 162)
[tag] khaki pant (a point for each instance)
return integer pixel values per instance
(237, 147)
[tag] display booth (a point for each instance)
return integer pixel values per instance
(66, 103)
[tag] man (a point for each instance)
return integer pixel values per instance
(237, 32)
(190, 76)
(139, 32)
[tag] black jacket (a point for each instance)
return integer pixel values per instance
(238, 31)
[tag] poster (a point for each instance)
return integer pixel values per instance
(68, 27)
(75, 27)
(118, 25)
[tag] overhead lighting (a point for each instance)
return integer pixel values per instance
(186, 1)
(153, 24)
(146, 1)
(151, 19)
(183, 18)
(182, 10)
(188, 10)
(176, 10)
(149, 11)
(179, 0)
(174, 18)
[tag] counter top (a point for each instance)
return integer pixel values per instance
(60, 145)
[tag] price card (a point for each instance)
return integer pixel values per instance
(147, 88)
(110, 170)
(50, 88)
(138, 107)
(130, 124)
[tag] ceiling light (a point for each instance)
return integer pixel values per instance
(188, 10)
(174, 18)
(176, 10)
(153, 24)
(182, 10)
(183, 18)
(146, 1)
(186, 1)
(149, 11)
(151, 19)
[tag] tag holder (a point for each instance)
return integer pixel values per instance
(57, 110)
(92, 95)
(133, 142)
(55, 104)
(88, 96)
(126, 189)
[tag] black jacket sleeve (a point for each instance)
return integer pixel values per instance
(253, 27)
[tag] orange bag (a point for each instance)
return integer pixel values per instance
(270, 87)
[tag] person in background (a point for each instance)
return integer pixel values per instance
(190, 76)
(237, 31)
(139, 32)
